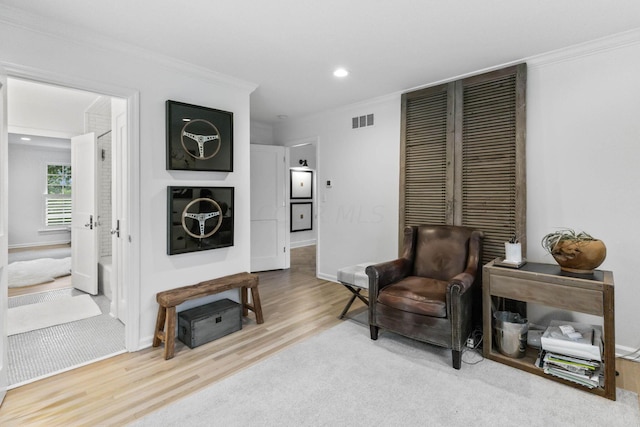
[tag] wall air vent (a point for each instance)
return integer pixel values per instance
(362, 121)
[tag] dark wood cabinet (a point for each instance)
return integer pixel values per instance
(547, 285)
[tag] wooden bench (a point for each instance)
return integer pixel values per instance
(168, 300)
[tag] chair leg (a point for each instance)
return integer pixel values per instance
(374, 332)
(457, 358)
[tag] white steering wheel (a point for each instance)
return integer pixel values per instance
(202, 217)
(200, 139)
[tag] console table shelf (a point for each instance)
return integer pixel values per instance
(547, 285)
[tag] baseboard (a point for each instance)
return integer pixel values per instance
(628, 353)
(39, 244)
(330, 278)
(303, 243)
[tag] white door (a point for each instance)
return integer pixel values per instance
(84, 237)
(4, 196)
(269, 213)
(119, 208)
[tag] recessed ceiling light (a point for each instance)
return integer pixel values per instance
(24, 138)
(341, 72)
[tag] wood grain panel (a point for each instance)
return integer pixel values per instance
(562, 297)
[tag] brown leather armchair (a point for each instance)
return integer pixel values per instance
(429, 293)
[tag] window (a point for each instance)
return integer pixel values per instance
(462, 157)
(58, 196)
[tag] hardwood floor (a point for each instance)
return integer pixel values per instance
(121, 389)
(118, 390)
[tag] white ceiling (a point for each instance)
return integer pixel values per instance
(290, 47)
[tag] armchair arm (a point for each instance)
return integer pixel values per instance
(460, 296)
(383, 274)
(461, 282)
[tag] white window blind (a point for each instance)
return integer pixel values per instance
(58, 211)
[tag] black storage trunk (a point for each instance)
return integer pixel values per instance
(208, 322)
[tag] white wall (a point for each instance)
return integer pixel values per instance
(358, 215)
(45, 110)
(261, 133)
(28, 178)
(98, 120)
(303, 152)
(125, 73)
(583, 146)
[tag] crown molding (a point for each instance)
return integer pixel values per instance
(75, 35)
(358, 105)
(581, 50)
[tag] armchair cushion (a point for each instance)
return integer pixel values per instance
(440, 252)
(419, 295)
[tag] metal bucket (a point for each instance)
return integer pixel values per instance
(510, 331)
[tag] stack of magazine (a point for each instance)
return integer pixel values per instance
(572, 351)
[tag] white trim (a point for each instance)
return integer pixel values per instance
(303, 243)
(628, 353)
(328, 278)
(593, 47)
(131, 271)
(54, 230)
(40, 244)
(362, 105)
(132, 97)
(75, 35)
(4, 214)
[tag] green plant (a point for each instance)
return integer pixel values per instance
(550, 241)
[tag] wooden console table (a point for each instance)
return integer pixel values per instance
(547, 285)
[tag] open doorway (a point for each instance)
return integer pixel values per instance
(303, 159)
(81, 325)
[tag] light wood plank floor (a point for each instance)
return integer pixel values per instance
(296, 306)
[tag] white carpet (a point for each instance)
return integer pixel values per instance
(30, 317)
(33, 272)
(342, 378)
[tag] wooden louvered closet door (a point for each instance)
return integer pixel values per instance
(462, 154)
(427, 184)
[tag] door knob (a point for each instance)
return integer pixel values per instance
(116, 230)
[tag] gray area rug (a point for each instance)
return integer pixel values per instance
(342, 378)
(45, 351)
